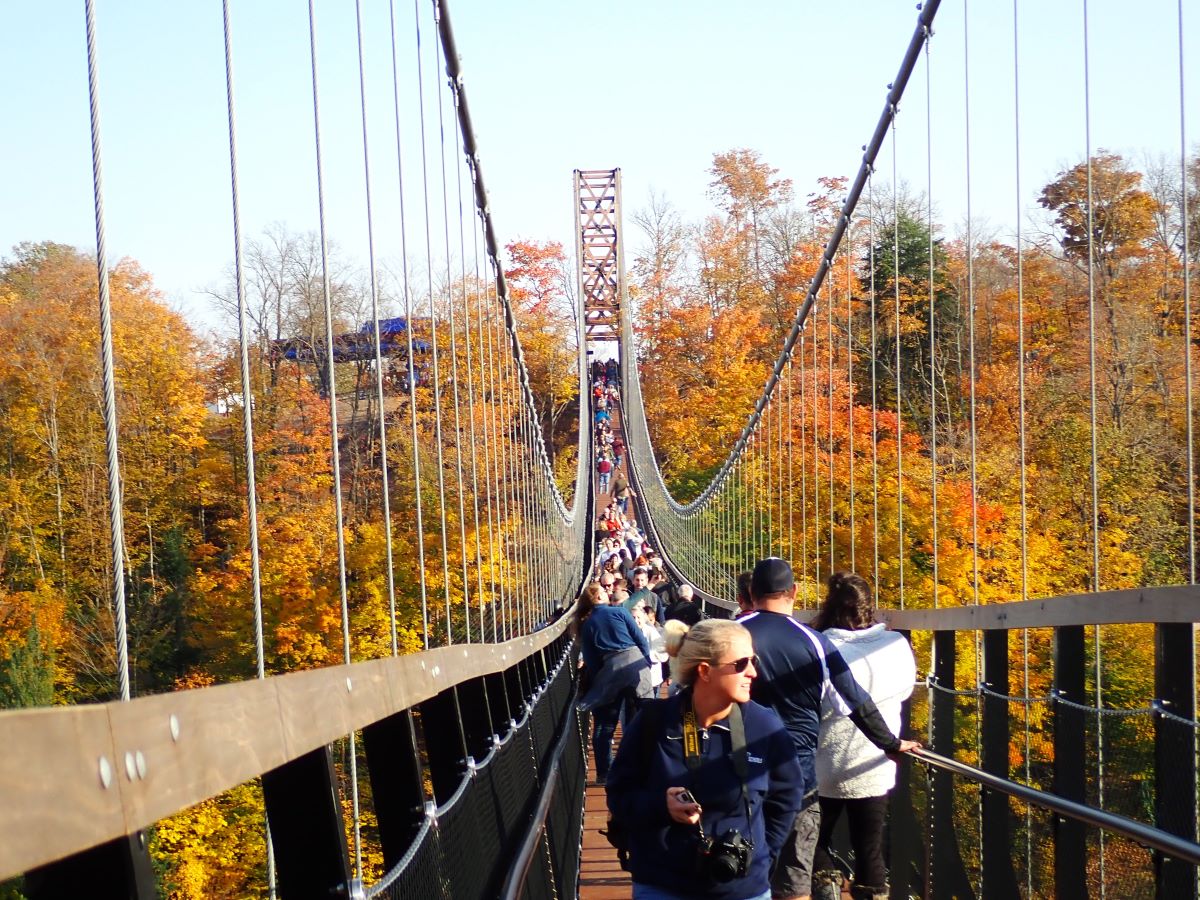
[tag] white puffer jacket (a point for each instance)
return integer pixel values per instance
(848, 765)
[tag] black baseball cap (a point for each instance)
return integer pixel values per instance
(771, 576)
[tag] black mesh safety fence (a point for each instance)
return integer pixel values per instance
(556, 863)
(465, 847)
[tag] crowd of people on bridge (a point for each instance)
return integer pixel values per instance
(745, 740)
(731, 786)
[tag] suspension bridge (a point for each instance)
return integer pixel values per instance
(442, 755)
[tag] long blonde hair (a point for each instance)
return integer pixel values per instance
(703, 642)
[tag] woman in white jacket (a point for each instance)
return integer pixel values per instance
(852, 774)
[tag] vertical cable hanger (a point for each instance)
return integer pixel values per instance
(970, 249)
(850, 389)
(933, 456)
(499, 498)
(779, 432)
(1091, 287)
(971, 318)
(507, 477)
(433, 331)
(1187, 320)
(458, 431)
(899, 404)
(383, 460)
(768, 483)
(335, 451)
(756, 487)
(874, 383)
(116, 514)
(244, 356)
(816, 442)
(486, 480)
(791, 476)
(247, 394)
(410, 361)
(466, 316)
(803, 467)
(1187, 311)
(829, 423)
(1021, 430)
(507, 480)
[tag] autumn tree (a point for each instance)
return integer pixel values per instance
(540, 286)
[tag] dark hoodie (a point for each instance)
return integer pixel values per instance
(662, 851)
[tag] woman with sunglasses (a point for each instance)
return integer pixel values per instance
(705, 784)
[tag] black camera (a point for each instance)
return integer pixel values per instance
(724, 857)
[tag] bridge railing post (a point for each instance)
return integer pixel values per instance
(119, 869)
(1175, 752)
(1070, 772)
(307, 828)
(397, 782)
(445, 745)
(499, 703)
(944, 873)
(475, 708)
(999, 879)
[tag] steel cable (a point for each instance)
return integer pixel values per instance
(850, 392)
(933, 457)
(1093, 429)
(247, 393)
(383, 460)
(116, 515)
(335, 451)
(466, 314)
(1187, 309)
(458, 432)
(829, 424)
(410, 362)
(1023, 476)
(899, 400)
(438, 438)
(874, 385)
(803, 468)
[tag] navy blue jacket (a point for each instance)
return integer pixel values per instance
(663, 851)
(606, 630)
(793, 679)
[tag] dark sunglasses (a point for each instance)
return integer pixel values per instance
(739, 665)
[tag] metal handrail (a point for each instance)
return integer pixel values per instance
(1148, 836)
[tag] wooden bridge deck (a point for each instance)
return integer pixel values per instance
(600, 877)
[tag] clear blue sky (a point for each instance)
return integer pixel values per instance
(653, 86)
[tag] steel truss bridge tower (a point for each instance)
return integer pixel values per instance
(599, 249)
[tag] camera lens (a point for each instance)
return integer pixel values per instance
(723, 867)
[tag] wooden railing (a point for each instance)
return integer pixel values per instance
(75, 777)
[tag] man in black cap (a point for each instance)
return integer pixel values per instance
(797, 668)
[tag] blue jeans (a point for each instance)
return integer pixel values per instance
(604, 726)
(650, 892)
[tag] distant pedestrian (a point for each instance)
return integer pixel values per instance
(604, 468)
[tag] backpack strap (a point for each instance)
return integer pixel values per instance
(737, 733)
(741, 765)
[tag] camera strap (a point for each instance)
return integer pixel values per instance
(737, 734)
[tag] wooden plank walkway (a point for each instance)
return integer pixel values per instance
(600, 876)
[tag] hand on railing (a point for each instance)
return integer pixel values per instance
(905, 747)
